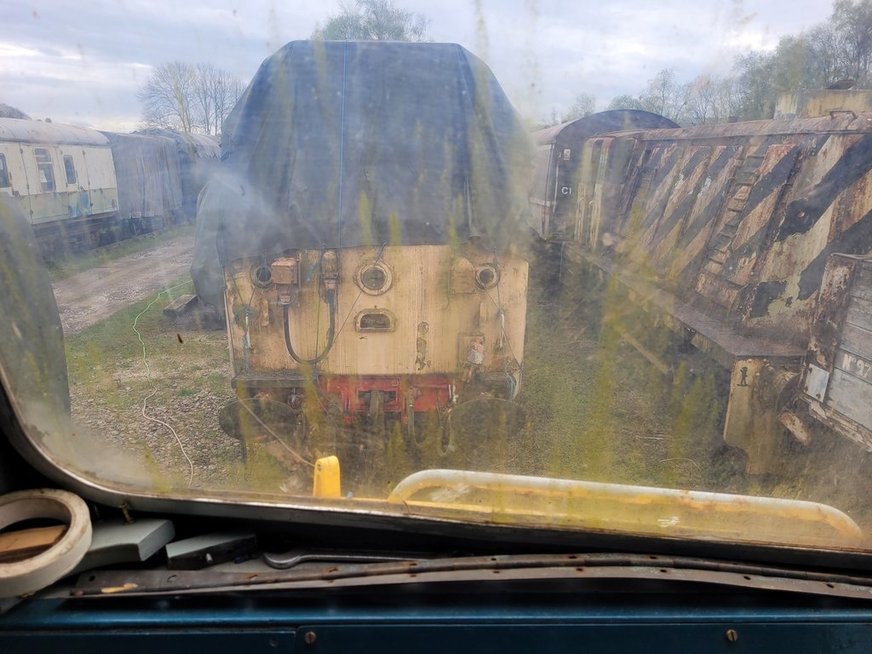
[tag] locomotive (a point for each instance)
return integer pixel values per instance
(369, 257)
(83, 188)
(751, 241)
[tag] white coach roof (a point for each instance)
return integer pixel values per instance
(36, 131)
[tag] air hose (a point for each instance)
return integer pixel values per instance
(330, 296)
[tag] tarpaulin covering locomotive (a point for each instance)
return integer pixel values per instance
(364, 232)
(735, 234)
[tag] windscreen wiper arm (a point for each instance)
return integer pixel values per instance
(291, 558)
(399, 570)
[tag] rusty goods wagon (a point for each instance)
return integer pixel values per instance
(753, 240)
(557, 159)
(366, 255)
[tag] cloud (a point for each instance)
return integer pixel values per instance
(87, 61)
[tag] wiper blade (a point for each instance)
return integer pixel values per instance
(548, 567)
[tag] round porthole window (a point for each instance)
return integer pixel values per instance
(261, 275)
(487, 276)
(374, 278)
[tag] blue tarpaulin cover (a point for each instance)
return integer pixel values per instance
(339, 144)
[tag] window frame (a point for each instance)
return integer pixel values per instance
(70, 167)
(5, 179)
(45, 169)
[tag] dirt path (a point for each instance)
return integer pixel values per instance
(90, 296)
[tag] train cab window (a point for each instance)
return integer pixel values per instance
(4, 172)
(46, 172)
(351, 273)
(69, 169)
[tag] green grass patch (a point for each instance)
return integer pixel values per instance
(598, 410)
(113, 344)
(182, 376)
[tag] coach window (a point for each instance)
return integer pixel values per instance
(46, 173)
(4, 172)
(69, 169)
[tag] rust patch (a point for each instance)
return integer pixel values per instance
(832, 307)
(764, 294)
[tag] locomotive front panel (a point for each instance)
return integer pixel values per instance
(423, 325)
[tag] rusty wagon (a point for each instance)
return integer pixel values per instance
(752, 240)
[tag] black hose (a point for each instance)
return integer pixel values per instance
(331, 303)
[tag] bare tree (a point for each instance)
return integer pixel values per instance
(728, 101)
(189, 98)
(710, 100)
(203, 101)
(625, 101)
(664, 96)
(824, 62)
(167, 97)
(584, 105)
(702, 100)
(373, 20)
(215, 94)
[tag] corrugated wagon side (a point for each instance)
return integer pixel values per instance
(726, 231)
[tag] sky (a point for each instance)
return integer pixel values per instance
(83, 64)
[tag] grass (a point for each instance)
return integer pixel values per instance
(112, 372)
(71, 264)
(185, 377)
(600, 411)
(592, 404)
(595, 410)
(113, 344)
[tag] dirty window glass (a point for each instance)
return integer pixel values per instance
(69, 169)
(484, 262)
(4, 172)
(44, 168)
